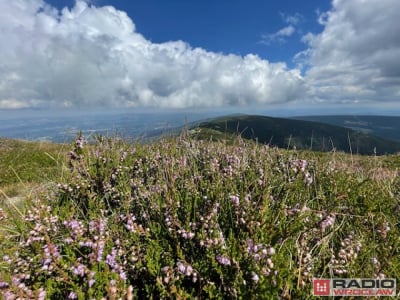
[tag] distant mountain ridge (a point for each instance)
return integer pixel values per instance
(387, 127)
(300, 134)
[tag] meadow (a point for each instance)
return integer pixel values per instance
(189, 218)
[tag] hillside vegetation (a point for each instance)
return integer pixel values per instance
(27, 165)
(291, 133)
(182, 218)
(383, 126)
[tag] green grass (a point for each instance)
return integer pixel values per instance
(181, 218)
(26, 165)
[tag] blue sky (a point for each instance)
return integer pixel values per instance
(228, 26)
(327, 56)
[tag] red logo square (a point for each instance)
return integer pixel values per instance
(321, 287)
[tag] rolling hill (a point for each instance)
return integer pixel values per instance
(291, 133)
(383, 126)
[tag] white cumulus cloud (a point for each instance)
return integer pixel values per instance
(355, 59)
(91, 55)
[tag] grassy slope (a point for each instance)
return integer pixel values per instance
(287, 133)
(150, 197)
(25, 165)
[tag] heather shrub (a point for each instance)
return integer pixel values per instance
(185, 218)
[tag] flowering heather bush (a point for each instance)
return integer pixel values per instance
(183, 218)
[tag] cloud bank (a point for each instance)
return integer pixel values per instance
(91, 55)
(356, 59)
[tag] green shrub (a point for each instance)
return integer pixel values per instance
(184, 218)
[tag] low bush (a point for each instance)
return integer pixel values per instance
(183, 218)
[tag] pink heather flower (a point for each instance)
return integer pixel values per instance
(235, 200)
(41, 294)
(181, 267)
(308, 178)
(123, 156)
(250, 246)
(327, 222)
(102, 226)
(92, 226)
(91, 282)
(72, 295)
(80, 142)
(186, 234)
(255, 277)
(122, 275)
(98, 225)
(223, 260)
(79, 270)
(50, 253)
(15, 280)
(271, 251)
(189, 270)
(270, 263)
(88, 244)
(110, 259)
(100, 250)
(228, 170)
(303, 165)
(76, 227)
(266, 271)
